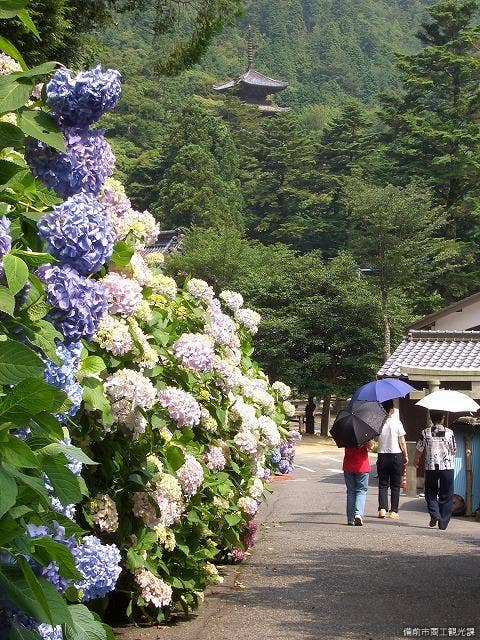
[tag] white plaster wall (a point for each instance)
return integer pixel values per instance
(460, 320)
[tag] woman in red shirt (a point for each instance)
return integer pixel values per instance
(356, 469)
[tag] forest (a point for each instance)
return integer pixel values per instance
(359, 200)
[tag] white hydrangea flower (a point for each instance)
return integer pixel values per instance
(282, 389)
(232, 299)
(200, 289)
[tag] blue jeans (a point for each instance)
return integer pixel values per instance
(357, 485)
(439, 495)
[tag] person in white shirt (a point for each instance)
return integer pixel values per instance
(392, 458)
(438, 443)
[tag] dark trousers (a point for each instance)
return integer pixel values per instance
(390, 469)
(439, 495)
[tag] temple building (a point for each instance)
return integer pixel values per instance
(252, 87)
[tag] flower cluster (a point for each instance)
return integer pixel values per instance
(104, 513)
(164, 286)
(77, 233)
(195, 351)
(142, 225)
(181, 406)
(114, 199)
(8, 65)
(124, 295)
(249, 505)
(100, 566)
(154, 590)
(190, 476)
(5, 238)
(282, 389)
(81, 100)
(269, 430)
(214, 459)
(200, 290)
(130, 393)
(63, 376)
(78, 304)
(113, 335)
(232, 299)
(83, 167)
(249, 319)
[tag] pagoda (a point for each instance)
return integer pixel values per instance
(252, 87)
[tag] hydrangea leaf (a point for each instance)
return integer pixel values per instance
(83, 625)
(16, 272)
(18, 362)
(14, 93)
(32, 258)
(21, 633)
(76, 453)
(18, 454)
(122, 254)
(7, 47)
(64, 482)
(11, 136)
(41, 126)
(46, 550)
(45, 336)
(8, 491)
(27, 22)
(28, 398)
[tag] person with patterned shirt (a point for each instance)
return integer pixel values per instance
(438, 444)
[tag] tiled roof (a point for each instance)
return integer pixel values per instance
(167, 242)
(252, 78)
(442, 350)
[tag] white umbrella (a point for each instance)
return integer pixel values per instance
(447, 400)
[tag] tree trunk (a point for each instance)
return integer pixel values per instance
(309, 416)
(324, 424)
(387, 346)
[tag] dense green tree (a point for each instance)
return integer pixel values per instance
(287, 199)
(394, 232)
(432, 126)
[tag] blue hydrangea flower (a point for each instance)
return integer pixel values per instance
(80, 100)
(276, 456)
(78, 304)
(63, 376)
(84, 166)
(283, 466)
(5, 238)
(78, 233)
(99, 564)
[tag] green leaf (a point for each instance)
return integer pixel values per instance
(64, 482)
(46, 337)
(232, 519)
(18, 454)
(8, 492)
(56, 448)
(22, 633)
(8, 169)
(9, 529)
(28, 22)
(47, 550)
(92, 364)
(12, 51)
(39, 70)
(11, 136)
(7, 301)
(96, 400)
(134, 560)
(41, 126)
(33, 258)
(83, 625)
(33, 483)
(28, 398)
(14, 93)
(34, 596)
(122, 253)
(175, 457)
(16, 272)
(18, 362)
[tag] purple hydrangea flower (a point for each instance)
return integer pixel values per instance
(80, 100)
(195, 351)
(78, 304)
(78, 233)
(5, 238)
(284, 466)
(100, 566)
(276, 456)
(124, 295)
(181, 406)
(84, 166)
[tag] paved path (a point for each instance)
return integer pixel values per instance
(311, 577)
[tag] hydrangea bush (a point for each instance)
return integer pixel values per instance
(185, 423)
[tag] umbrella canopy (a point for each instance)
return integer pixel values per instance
(381, 390)
(447, 400)
(358, 423)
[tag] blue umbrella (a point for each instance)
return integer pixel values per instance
(381, 390)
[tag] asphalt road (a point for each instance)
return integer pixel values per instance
(312, 577)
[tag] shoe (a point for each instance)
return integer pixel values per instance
(350, 524)
(393, 515)
(433, 522)
(382, 513)
(358, 521)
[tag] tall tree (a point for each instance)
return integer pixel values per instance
(394, 233)
(432, 126)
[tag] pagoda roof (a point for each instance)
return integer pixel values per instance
(253, 79)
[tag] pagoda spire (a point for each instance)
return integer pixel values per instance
(250, 47)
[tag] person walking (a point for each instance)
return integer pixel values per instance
(392, 459)
(356, 470)
(438, 444)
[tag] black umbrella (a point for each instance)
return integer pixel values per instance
(358, 423)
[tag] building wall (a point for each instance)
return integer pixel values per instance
(466, 318)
